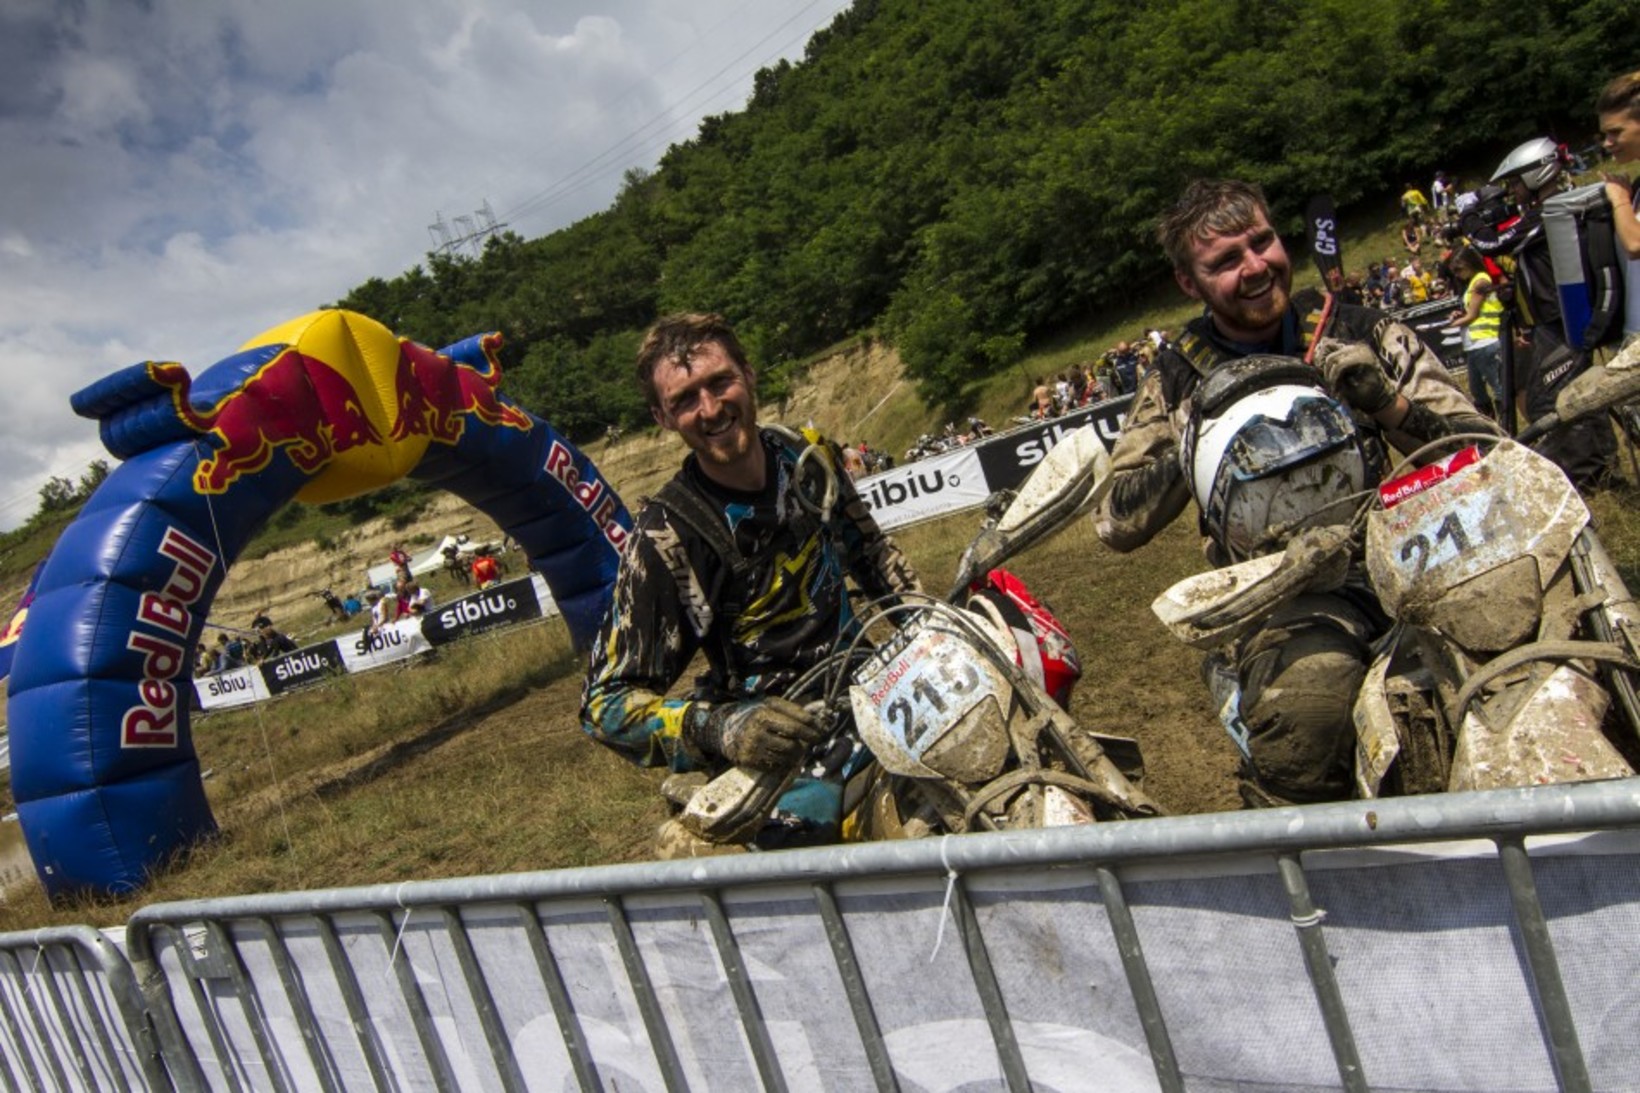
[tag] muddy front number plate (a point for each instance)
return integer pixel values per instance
(917, 693)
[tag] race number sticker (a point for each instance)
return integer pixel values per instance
(906, 700)
(1511, 504)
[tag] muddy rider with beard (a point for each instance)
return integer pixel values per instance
(741, 557)
(1300, 671)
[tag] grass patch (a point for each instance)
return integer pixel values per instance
(470, 762)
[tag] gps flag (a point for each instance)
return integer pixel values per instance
(1321, 227)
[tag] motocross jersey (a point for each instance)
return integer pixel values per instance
(1149, 488)
(761, 623)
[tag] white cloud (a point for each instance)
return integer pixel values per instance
(181, 176)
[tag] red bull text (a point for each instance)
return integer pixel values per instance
(595, 497)
(165, 615)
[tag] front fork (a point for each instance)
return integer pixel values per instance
(1614, 619)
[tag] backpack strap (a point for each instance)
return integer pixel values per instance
(1603, 271)
(689, 508)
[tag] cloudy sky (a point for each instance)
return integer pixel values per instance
(178, 176)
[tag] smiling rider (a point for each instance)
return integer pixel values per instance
(741, 556)
(1299, 672)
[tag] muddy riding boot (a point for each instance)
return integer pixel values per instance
(673, 841)
(1254, 795)
(679, 789)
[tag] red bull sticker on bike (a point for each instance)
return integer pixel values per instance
(911, 694)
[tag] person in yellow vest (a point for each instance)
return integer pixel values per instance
(1480, 321)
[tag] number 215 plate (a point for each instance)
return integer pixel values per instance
(911, 695)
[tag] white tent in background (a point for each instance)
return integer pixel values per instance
(428, 561)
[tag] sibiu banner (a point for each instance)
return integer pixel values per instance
(964, 477)
(504, 604)
(509, 603)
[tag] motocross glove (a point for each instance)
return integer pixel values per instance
(1425, 425)
(1353, 373)
(769, 734)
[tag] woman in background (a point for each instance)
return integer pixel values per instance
(1619, 110)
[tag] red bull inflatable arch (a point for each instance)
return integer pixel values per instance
(324, 407)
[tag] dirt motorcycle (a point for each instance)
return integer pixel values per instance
(960, 702)
(1512, 630)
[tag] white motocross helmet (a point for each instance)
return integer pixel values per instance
(1268, 452)
(1536, 163)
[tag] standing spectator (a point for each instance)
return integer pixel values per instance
(381, 610)
(1416, 207)
(1619, 110)
(1440, 192)
(853, 462)
(1587, 449)
(401, 562)
(417, 597)
(485, 569)
(272, 642)
(1480, 320)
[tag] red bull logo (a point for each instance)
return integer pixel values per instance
(14, 629)
(436, 395)
(293, 402)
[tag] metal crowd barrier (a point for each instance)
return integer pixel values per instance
(1330, 946)
(71, 1016)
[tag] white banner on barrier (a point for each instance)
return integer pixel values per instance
(237, 687)
(509, 603)
(964, 478)
(395, 641)
(949, 482)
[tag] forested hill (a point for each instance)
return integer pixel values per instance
(961, 176)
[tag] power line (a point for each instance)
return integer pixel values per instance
(546, 155)
(667, 120)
